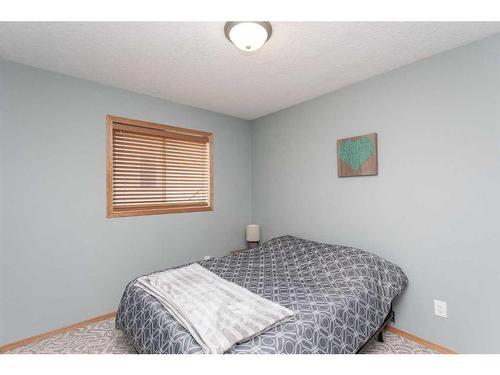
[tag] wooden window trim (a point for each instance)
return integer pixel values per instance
(113, 122)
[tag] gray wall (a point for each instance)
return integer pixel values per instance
(434, 209)
(62, 261)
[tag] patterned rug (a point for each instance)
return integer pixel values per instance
(103, 338)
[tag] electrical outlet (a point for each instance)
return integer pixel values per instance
(207, 257)
(440, 308)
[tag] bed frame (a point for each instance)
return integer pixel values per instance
(379, 332)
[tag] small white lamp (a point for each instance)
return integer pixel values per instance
(253, 235)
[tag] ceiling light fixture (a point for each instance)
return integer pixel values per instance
(248, 36)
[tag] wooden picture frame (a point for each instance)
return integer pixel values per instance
(357, 156)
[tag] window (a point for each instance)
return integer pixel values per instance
(157, 169)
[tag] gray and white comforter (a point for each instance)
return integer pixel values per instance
(340, 296)
(215, 311)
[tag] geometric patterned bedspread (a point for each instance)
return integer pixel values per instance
(341, 296)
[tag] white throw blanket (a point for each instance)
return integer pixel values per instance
(216, 312)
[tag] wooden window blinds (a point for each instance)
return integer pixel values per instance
(157, 169)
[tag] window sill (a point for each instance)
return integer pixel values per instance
(159, 211)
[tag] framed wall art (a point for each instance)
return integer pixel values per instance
(357, 156)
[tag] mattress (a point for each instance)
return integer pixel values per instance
(340, 296)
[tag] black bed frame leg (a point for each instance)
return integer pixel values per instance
(380, 337)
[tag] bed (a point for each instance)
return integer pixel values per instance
(341, 297)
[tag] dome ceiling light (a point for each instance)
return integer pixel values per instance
(248, 36)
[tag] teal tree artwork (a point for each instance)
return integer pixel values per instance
(357, 156)
(356, 152)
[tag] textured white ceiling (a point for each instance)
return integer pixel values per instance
(193, 63)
